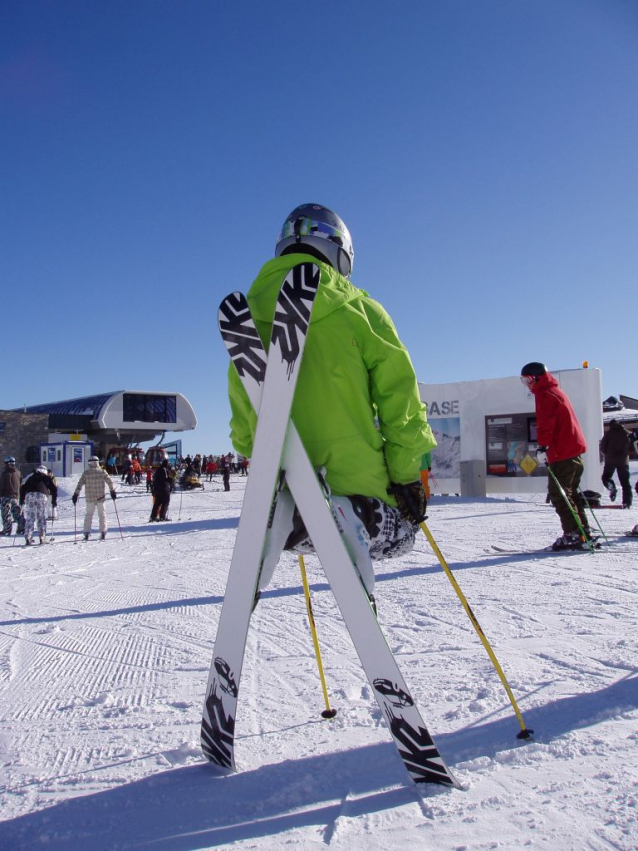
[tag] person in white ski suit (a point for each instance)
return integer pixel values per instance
(34, 495)
(95, 480)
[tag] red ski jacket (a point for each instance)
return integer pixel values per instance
(556, 422)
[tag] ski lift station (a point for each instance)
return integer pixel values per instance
(71, 430)
(486, 433)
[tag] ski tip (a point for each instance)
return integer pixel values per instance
(525, 734)
(328, 713)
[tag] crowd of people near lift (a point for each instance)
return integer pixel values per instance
(188, 472)
(185, 469)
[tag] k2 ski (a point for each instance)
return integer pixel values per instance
(414, 743)
(275, 378)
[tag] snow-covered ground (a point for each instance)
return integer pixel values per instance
(104, 657)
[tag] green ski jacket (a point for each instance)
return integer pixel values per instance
(357, 406)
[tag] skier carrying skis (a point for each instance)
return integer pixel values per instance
(356, 407)
(96, 479)
(560, 445)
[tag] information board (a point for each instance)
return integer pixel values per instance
(511, 445)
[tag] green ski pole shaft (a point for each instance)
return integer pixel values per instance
(571, 508)
(594, 515)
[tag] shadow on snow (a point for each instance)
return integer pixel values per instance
(194, 807)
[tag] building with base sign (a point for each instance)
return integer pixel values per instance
(486, 433)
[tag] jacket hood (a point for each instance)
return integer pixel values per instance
(545, 382)
(334, 292)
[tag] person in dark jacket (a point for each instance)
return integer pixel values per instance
(560, 445)
(615, 447)
(34, 495)
(10, 482)
(161, 492)
(225, 466)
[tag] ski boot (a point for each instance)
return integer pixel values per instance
(568, 541)
(102, 536)
(86, 536)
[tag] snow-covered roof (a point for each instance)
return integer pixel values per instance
(621, 408)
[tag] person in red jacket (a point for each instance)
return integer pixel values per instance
(560, 444)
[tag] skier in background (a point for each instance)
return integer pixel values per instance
(96, 481)
(34, 496)
(615, 446)
(10, 482)
(225, 468)
(426, 468)
(560, 445)
(162, 486)
(356, 406)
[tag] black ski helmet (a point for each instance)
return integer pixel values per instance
(534, 368)
(320, 231)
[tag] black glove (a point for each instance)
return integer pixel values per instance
(113, 495)
(74, 498)
(411, 500)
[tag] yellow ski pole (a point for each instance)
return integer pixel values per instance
(525, 733)
(328, 712)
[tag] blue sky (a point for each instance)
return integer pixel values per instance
(483, 154)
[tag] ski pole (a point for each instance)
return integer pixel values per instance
(17, 527)
(328, 712)
(525, 732)
(181, 496)
(75, 522)
(571, 508)
(594, 515)
(118, 519)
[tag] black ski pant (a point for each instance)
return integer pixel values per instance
(622, 471)
(161, 499)
(568, 473)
